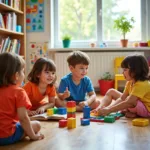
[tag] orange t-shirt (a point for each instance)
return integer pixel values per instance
(11, 98)
(36, 98)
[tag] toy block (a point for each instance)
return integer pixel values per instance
(55, 110)
(62, 123)
(86, 112)
(94, 114)
(85, 122)
(71, 115)
(71, 104)
(50, 112)
(96, 120)
(140, 122)
(71, 109)
(62, 110)
(109, 119)
(71, 123)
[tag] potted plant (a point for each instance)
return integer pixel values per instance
(106, 83)
(124, 25)
(66, 39)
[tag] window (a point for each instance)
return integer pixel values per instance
(93, 20)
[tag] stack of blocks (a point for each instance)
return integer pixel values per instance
(71, 117)
(61, 111)
(71, 109)
(86, 116)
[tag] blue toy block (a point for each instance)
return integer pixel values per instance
(62, 111)
(86, 112)
(85, 122)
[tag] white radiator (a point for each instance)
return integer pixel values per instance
(101, 62)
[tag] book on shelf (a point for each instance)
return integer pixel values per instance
(44, 116)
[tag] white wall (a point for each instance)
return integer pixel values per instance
(39, 36)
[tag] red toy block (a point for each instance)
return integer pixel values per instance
(69, 115)
(62, 123)
(71, 104)
(96, 120)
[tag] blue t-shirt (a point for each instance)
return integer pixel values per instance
(77, 92)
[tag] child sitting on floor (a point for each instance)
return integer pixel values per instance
(40, 88)
(136, 96)
(14, 121)
(76, 85)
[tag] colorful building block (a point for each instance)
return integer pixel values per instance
(62, 123)
(140, 122)
(109, 119)
(86, 112)
(97, 119)
(62, 110)
(85, 122)
(71, 115)
(71, 104)
(50, 112)
(71, 109)
(71, 123)
(55, 110)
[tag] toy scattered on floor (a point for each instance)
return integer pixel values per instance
(109, 119)
(62, 123)
(85, 122)
(50, 111)
(86, 116)
(141, 122)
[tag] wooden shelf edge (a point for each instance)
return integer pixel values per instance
(10, 32)
(7, 7)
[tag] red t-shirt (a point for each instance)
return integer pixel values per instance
(36, 98)
(11, 98)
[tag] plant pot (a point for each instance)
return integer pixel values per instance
(124, 43)
(66, 43)
(105, 85)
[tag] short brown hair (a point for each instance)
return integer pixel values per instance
(78, 57)
(10, 63)
(38, 67)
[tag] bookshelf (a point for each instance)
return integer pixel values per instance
(8, 7)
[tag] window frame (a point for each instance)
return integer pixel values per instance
(145, 31)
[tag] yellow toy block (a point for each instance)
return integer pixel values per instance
(71, 109)
(94, 114)
(71, 123)
(140, 122)
(50, 112)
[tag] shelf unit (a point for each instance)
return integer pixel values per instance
(21, 20)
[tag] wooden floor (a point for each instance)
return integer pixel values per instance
(120, 135)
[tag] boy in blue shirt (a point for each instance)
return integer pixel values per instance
(76, 85)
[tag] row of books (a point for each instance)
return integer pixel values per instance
(10, 45)
(8, 21)
(16, 4)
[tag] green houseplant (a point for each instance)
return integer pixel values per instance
(66, 39)
(105, 83)
(124, 25)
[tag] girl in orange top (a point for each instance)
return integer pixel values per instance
(14, 121)
(40, 88)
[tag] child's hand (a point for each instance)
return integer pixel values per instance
(40, 110)
(104, 111)
(66, 93)
(31, 113)
(84, 103)
(38, 136)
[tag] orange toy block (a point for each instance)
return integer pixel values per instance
(71, 123)
(50, 112)
(140, 122)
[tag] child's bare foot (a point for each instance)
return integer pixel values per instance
(130, 115)
(124, 111)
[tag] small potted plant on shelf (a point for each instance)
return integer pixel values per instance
(124, 25)
(66, 39)
(106, 83)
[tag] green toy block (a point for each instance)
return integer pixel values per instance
(55, 110)
(109, 119)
